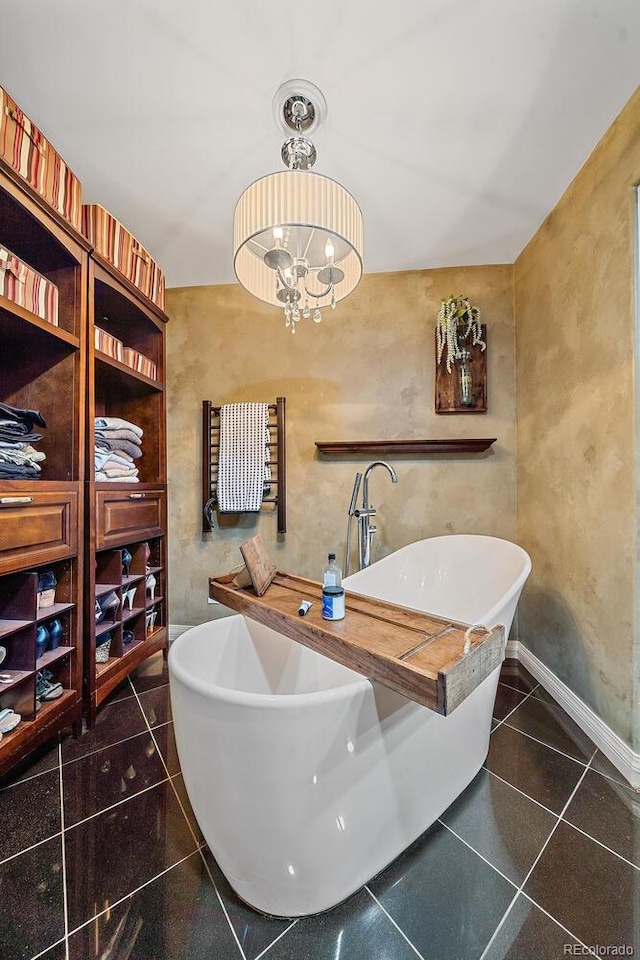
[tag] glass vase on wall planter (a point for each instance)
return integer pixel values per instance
(460, 354)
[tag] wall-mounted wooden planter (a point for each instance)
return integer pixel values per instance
(421, 448)
(448, 388)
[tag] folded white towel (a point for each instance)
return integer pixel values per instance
(241, 465)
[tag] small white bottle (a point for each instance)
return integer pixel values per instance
(333, 606)
(332, 574)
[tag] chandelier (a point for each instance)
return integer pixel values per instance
(298, 235)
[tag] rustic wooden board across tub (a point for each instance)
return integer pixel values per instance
(419, 655)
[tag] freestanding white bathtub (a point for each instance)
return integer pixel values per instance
(306, 778)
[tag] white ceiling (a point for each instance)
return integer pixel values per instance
(456, 124)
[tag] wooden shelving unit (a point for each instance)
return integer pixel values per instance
(125, 515)
(42, 367)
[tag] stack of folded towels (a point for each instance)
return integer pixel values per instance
(19, 460)
(117, 446)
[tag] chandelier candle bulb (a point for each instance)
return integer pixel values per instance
(298, 235)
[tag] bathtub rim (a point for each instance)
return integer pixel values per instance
(284, 701)
(245, 698)
(505, 599)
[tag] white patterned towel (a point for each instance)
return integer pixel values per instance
(244, 433)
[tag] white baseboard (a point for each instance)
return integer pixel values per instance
(618, 752)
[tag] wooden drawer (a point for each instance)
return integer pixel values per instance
(36, 527)
(123, 516)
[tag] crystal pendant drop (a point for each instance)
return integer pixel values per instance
(317, 316)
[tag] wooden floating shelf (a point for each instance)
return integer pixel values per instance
(418, 655)
(416, 447)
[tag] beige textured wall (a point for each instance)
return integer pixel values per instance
(366, 372)
(577, 515)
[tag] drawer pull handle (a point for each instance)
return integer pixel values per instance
(136, 496)
(15, 500)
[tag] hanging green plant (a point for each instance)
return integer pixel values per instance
(458, 327)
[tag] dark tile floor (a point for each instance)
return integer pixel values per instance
(100, 856)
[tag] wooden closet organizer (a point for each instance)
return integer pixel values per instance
(277, 461)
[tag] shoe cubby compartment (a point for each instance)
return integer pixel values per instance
(134, 601)
(154, 618)
(18, 633)
(17, 670)
(19, 697)
(133, 631)
(55, 589)
(108, 648)
(58, 647)
(58, 672)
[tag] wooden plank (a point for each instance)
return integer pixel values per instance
(420, 448)
(261, 567)
(448, 393)
(417, 654)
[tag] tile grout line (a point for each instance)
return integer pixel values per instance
(577, 939)
(477, 852)
(389, 917)
(524, 699)
(600, 844)
(118, 803)
(65, 898)
(568, 756)
(521, 792)
(537, 859)
(108, 746)
(555, 920)
(131, 893)
(607, 776)
(279, 937)
(222, 905)
(199, 846)
(186, 818)
(33, 846)
(44, 952)
(23, 780)
(164, 764)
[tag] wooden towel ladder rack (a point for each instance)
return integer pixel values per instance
(276, 485)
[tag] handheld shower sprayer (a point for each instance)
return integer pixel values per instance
(351, 513)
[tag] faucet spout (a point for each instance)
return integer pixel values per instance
(365, 485)
(366, 529)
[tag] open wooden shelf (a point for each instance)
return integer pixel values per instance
(50, 656)
(334, 448)
(104, 358)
